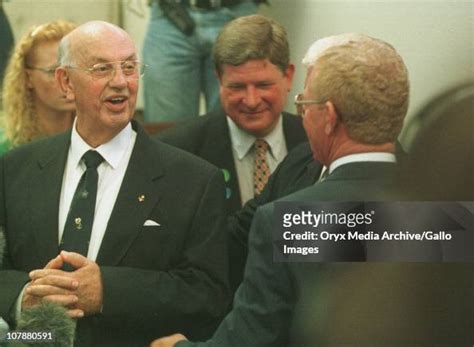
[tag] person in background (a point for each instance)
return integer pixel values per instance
(34, 105)
(252, 134)
(178, 50)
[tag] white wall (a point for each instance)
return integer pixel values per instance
(435, 38)
(23, 14)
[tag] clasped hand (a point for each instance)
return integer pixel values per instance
(80, 291)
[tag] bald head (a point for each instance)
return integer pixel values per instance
(76, 44)
(91, 72)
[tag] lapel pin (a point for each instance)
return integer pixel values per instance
(141, 198)
(78, 222)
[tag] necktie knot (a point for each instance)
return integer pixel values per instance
(92, 159)
(261, 146)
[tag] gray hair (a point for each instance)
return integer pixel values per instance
(367, 81)
(64, 57)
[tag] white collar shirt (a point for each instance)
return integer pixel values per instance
(362, 157)
(244, 154)
(117, 153)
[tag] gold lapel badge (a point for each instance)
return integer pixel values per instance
(78, 222)
(141, 198)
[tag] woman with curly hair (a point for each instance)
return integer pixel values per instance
(34, 105)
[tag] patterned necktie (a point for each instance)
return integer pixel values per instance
(78, 227)
(261, 171)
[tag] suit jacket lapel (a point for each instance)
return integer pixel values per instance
(138, 195)
(45, 197)
(218, 150)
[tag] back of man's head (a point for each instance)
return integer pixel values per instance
(366, 80)
(252, 37)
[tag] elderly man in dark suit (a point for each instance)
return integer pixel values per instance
(353, 106)
(251, 55)
(138, 246)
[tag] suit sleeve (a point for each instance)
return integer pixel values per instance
(290, 175)
(238, 225)
(263, 303)
(193, 296)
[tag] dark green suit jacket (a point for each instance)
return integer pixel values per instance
(339, 304)
(208, 137)
(157, 279)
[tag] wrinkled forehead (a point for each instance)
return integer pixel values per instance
(104, 45)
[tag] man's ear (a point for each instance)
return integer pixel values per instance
(64, 81)
(331, 118)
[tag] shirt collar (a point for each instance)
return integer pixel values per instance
(112, 151)
(372, 156)
(242, 141)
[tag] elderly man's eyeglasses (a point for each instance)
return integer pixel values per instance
(300, 102)
(47, 70)
(131, 69)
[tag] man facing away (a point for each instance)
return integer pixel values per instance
(122, 252)
(353, 106)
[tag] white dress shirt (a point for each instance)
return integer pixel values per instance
(117, 153)
(363, 157)
(244, 154)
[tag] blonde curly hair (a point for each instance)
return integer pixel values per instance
(19, 118)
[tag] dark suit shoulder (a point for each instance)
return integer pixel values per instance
(293, 130)
(180, 161)
(191, 133)
(291, 118)
(41, 150)
(297, 171)
(363, 181)
(300, 156)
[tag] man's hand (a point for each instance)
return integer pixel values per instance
(87, 277)
(58, 289)
(168, 341)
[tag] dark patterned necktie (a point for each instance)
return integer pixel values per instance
(261, 171)
(78, 227)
